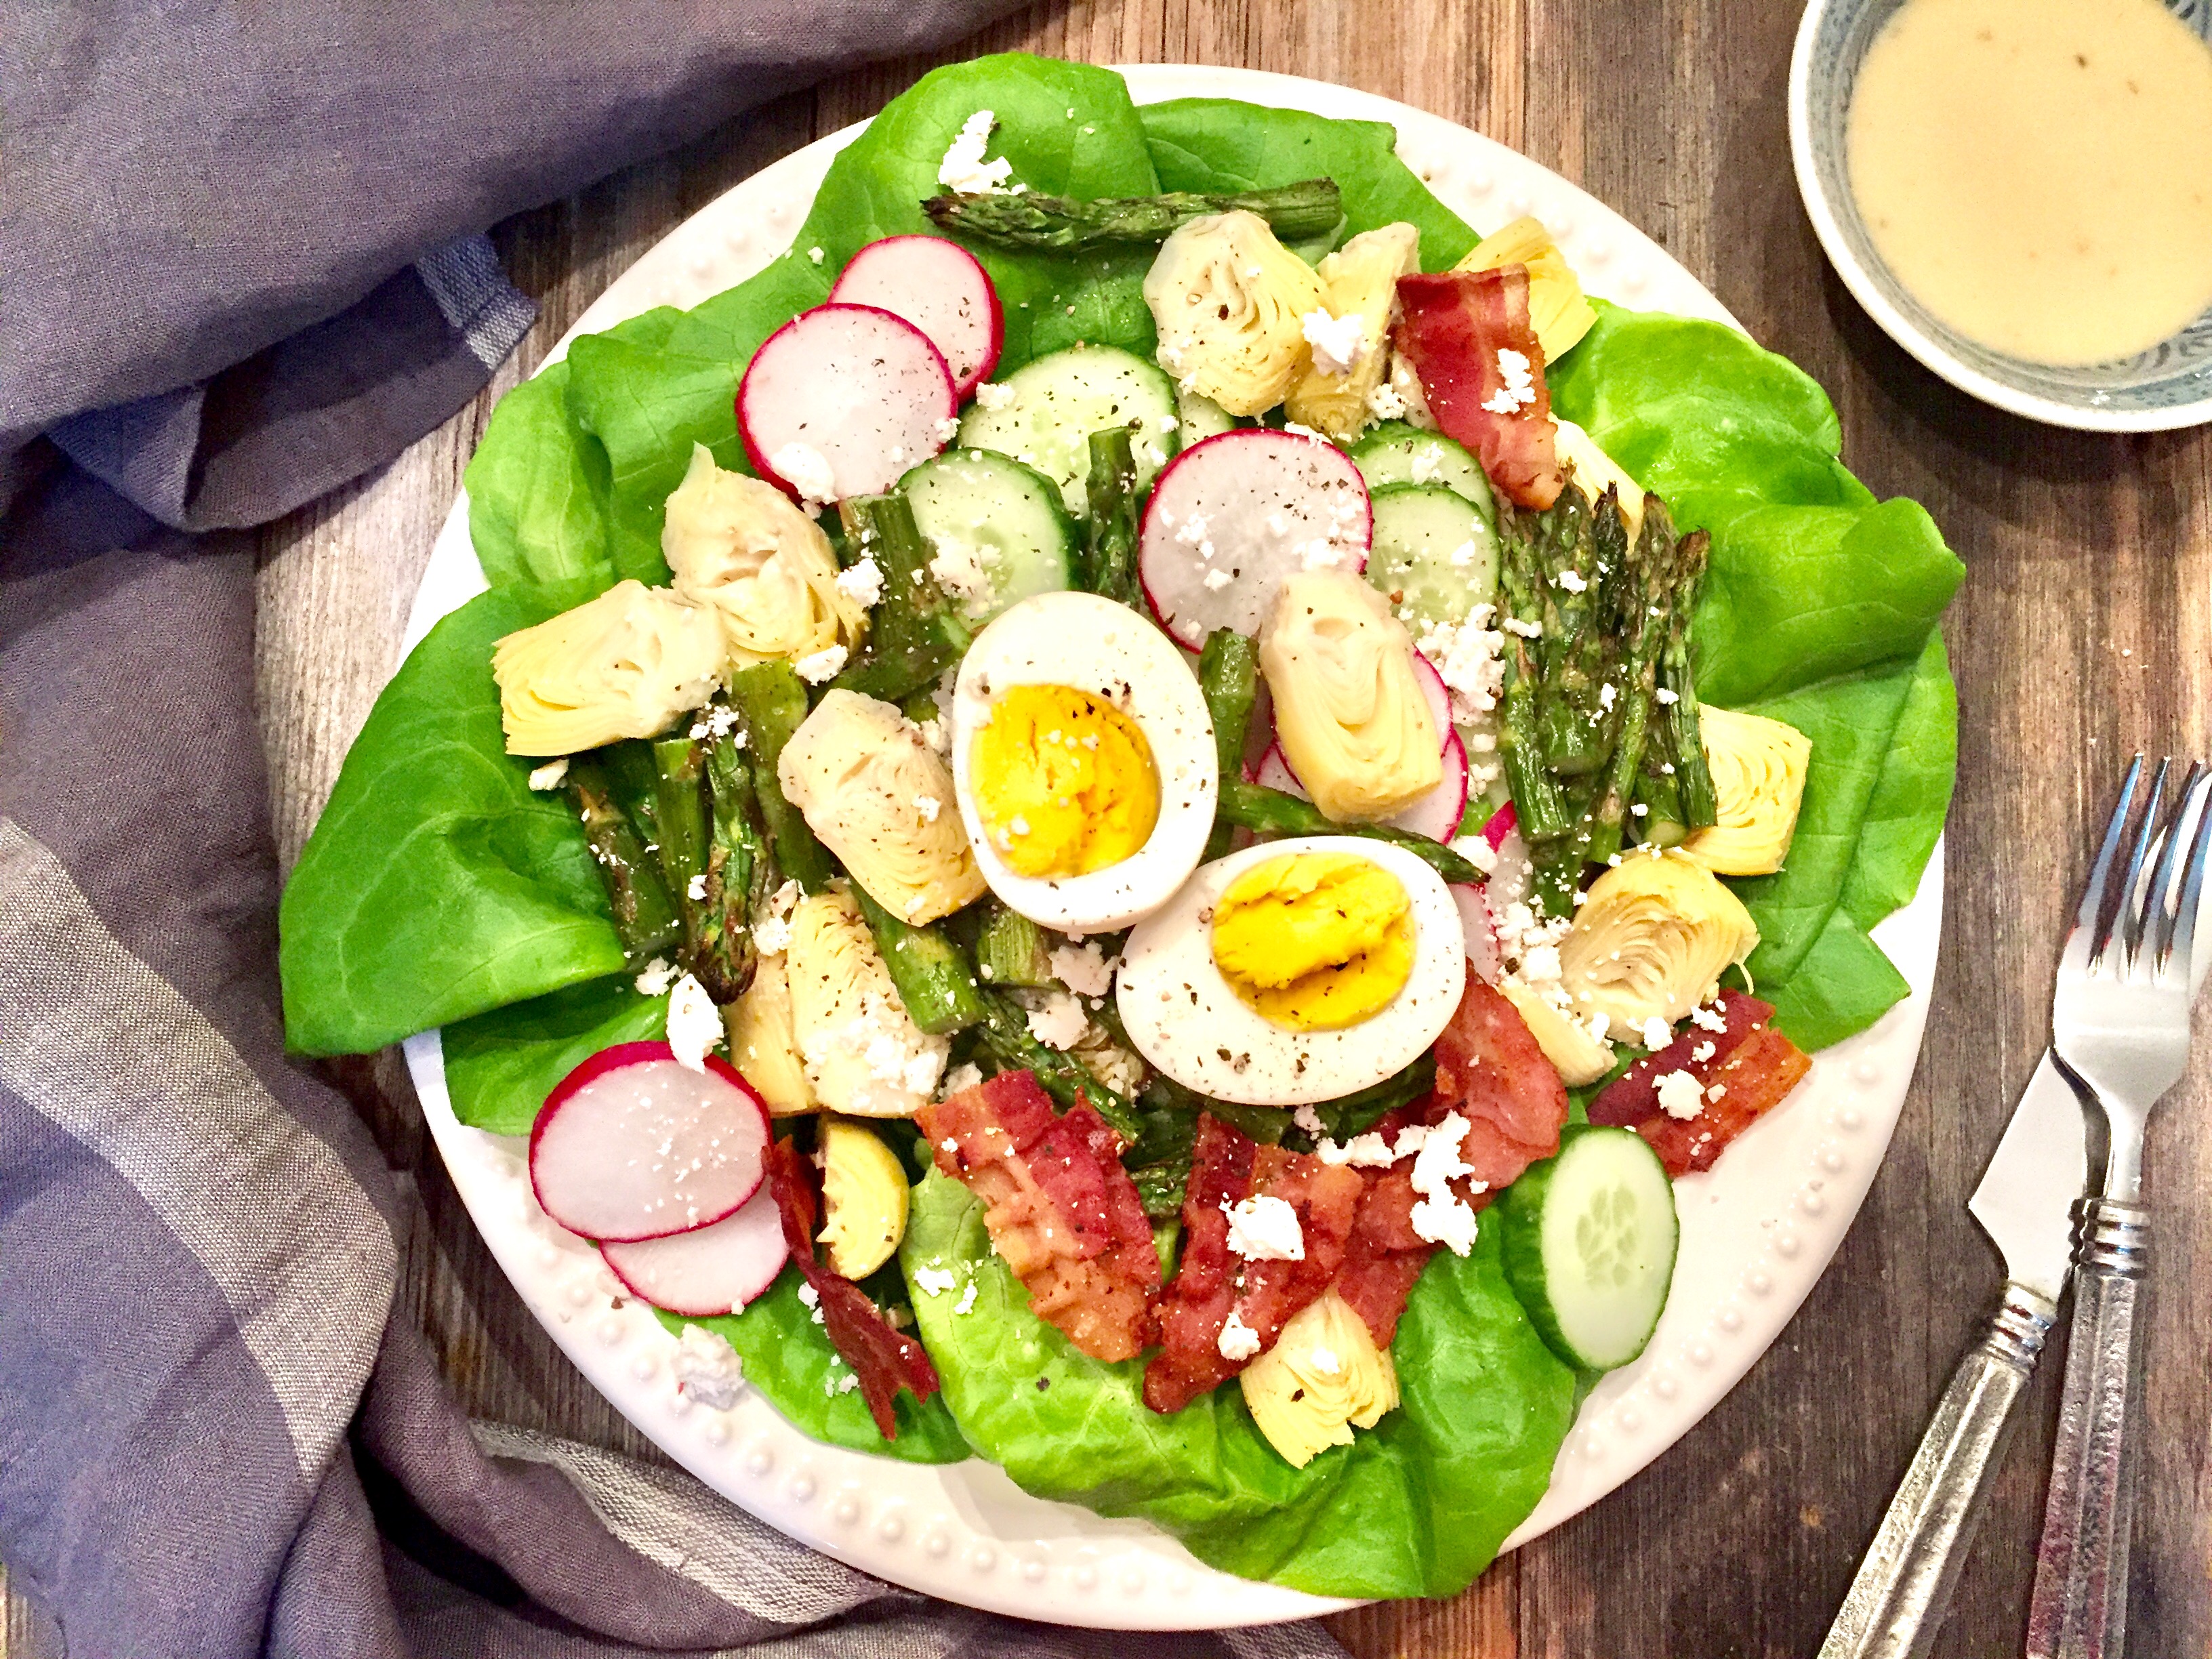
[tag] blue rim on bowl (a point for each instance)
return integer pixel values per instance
(2169, 386)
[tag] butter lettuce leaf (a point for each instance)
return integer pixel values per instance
(437, 883)
(500, 1065)
(1417, 1507)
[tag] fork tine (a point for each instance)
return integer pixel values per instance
(2128, 918)
(2182, 945)
(2154, 922)
(2087, 942)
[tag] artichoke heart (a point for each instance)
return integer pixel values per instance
(1759, 781)
(1651, 938)
(763, 1045)
(1595, 469)
(1579, 1058)
(625, 665)
(740, 547)
(880, 797)
(1323, 1376)
(1230, 302)
(863, 1055)
(1556, 309)
(864, 1198)
(1350, 713)
(1360, 279)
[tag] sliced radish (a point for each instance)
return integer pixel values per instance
(1482, 958)
(939, 288)
(1232, 516)
(632, 1146)
(842, 400)
(714, 1269)
(1501, 823)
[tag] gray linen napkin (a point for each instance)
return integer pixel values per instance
(239, 265)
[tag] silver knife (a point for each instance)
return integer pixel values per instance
(2026, 1205)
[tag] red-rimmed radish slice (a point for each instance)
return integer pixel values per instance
(1232, 516)
(1482, 958)
(1499, 824)
(842, 400)
(709, 1270)
(1438, 698)
(939, 287)
(632, 1146)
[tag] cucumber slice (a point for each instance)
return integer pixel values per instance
(1047, 410)
(1589, 1245)
(1434, 554)
(998, 527)
(1200, 417)
(1394, 452)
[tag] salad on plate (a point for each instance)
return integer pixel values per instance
(1131, 815)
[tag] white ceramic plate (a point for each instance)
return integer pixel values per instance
(1756, 1231)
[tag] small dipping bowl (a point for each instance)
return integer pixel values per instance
(2167, 386)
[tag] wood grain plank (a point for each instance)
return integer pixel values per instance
(2085, 629)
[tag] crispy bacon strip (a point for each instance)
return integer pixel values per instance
(1489, 1069)
(1752, 1064)
(884, 1360)
(1061, 1209)
(1455, 323)
(1228, 1167)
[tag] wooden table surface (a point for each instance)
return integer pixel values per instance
(2084, 629)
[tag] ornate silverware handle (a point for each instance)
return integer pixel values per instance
(2079, 1607)
(1896, 1603)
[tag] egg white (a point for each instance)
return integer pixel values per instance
(1094, 645)
(1185, 1019)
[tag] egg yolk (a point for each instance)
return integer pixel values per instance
(1063, 780)
(1315, 941)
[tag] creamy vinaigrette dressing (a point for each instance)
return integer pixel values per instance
(2038, 172)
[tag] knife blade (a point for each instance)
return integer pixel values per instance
(2040, 1168)
(2026, 1205)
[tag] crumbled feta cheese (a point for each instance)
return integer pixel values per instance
(862, 583)
(959, 1078)
(1297, 430)
(927, 807)
(848, 1382)
(967, 1301)
(963, 171)
(696, 889)
(1468, 658)
(1325, 1361)
(934, 1281)
(1526, 630)
(1084, 969)
(1478, 852)
(1572, 581)
(816, 254)
(1656, 1033)
(1520, 388)
(1060, 1023)
(993, 394)
(1215, 580)
(808, 1296)
(1367, 1152)
(707, 1369)
(1704, 1052)
(1265, 1228)
(824, 664)
(1607, 696)
(1338, 343)
(945, 431)
(695, 1024)
(1666, 699)
(807, 470)
(961, 571)
(1384, 404)
(550, 776)
(1709, 1018)
(655, 977)
(1540, 962)
(1681, 1095)
(1239, 1341)
(1442, 1216)
(772, 928)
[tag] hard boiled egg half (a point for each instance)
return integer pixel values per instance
(1295, 971)
(1083, 761)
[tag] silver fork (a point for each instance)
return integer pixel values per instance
(2119, 1024)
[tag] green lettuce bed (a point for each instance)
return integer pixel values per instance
(438, 891)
